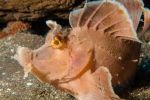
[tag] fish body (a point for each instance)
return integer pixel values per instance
(101, 50)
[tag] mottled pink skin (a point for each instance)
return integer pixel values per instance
(99, 48)
(87, 86)
(84, 85)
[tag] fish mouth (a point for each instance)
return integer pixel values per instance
(24, 56)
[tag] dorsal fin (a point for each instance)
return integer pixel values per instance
(74, 17)
(106, 15)
(134, 8)
(89, 10)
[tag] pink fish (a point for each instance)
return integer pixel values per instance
(101, 50)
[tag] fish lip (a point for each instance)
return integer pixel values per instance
(24, 56)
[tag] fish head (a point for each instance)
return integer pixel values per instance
(47, 63)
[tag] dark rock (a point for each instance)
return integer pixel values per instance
(34, 9)
(140, 89)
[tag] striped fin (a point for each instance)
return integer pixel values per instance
(78, 15)
(74, 17)
(134, 8)
(107, 15)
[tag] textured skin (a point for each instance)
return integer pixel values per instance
(111, 38)
(101, 46)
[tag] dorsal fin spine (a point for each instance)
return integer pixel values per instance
(92, 15)
(113, 24)
(96, 25)
(80, 17)
(117, 30)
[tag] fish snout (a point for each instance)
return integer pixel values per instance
(24, 57)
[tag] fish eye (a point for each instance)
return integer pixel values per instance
(56, 43)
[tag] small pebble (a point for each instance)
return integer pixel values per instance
(17, 72)
(29, 84)
(3, 73)
(12, 50)
(8, 89)
(13, 92)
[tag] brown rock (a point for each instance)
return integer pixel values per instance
(13, 28)
(34, 9)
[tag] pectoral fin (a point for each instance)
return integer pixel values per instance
(103, 79)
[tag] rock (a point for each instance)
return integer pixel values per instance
(12, 84)
(140, 94)
(13, 28)
(34, 9)
(16, 27)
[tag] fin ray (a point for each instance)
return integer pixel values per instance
(103, 15)
(74, 17)
(134, 8)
